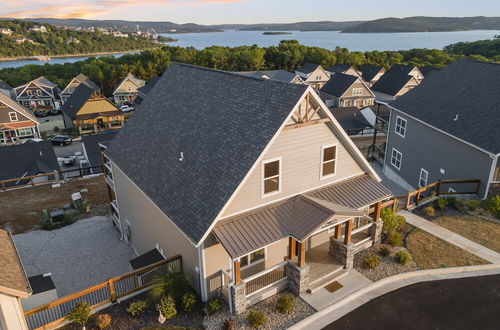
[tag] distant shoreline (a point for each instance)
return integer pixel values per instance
(36, 57)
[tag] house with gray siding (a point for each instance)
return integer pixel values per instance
(447, 128)
(251, 180)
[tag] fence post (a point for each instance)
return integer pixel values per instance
(112, 291)
(408, 197)
(56, 176)
(417, 198)
(438, 187)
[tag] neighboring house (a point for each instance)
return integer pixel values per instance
(409, 70)
(371, 73)
(394, 83)
(6, 31)
(38, 28)
(143, 91)
(88, 111)
(313, 74)
(43, 291)
(74, 83)
(127, 89)
(22, 160)
(280, 75)
(345, 69)
(447, 128)
(242, 177)
(344, 90)
(6, 88)
(427, 69)
(355, 121)
(39, 93)
(14, 285)
(92, 146)
(16, 122)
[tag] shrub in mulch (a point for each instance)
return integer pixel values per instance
(256, 319)
(285, 303)
(371, 261)
(403, 257)
(395, 239)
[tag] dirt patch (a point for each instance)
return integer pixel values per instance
(22, 208)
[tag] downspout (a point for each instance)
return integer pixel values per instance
(229, 286)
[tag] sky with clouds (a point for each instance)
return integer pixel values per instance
(244, 11)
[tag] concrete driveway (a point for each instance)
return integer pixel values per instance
(462, 303)
(78, 256)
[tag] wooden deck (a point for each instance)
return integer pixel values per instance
(321, 262)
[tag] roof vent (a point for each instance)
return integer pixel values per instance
(41, 153)
(182, 157)
(456, 117)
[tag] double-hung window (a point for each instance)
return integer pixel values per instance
(328, 160)
(253, 258)
(271, 176)
(13, 116)
(396, 158)
(422, 180)
(400, 126)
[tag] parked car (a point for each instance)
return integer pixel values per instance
(69, 161)
(54, 112)
(61, 140)
(41, 113)
(126, 108)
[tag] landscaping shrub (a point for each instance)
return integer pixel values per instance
(256, 319)
(472, 204)
(229, 324)
(137, 307)
(384, 251)
(392, 221)
(188, 302)
(285, 303)
(452, 202)
(214, 306)
(430, 211)
(172, 284)
(371, 261)
(103, 321)
(493, 205)
(395, 239)
(166, 307)
(80, 313)
(403, 257)
(441, 203)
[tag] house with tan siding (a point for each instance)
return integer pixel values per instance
(313, 74)
(126, 91)
(251, 180)
(73, 85)
(397, 81)
(345, 69)
(16, 122)
(344, 90)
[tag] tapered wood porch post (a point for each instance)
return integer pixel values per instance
(338, 231)
(237, 274)
(376, 213)
(302, 254)
(348, 232)
(292, 245)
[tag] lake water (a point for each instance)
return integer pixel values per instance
(324, 39)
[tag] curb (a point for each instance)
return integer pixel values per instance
(362, 296)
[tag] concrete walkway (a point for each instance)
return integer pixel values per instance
(451, 237)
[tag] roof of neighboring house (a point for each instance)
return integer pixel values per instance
(4, 85)
(149, 85)
(27, 159)
(205, 124)
(462, 100)
(41, 82)
(91, 145)
(338, 84)
(83, 80)
(339, 68)
(392, 82)
(41, 283)
(80, 98)
(368, 72)
(136, 81)
(279, 220)
(402, 68)
(350, 118)
(7, 101)
(308, 68)
(280, 75)
(13, 280)
(427, 69)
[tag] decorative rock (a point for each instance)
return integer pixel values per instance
(84, 191)
(56, 185)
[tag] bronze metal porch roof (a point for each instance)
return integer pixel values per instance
(298, 217)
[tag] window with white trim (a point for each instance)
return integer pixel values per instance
(400, 126)
(38, 92)
(396, 158)
(271, 176)
(423, 179)
(328, 160)
(25, 132)
(13, 116)
(29, 92)
(357, 91)
(253, 258)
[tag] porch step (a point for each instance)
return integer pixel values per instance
(325, 280)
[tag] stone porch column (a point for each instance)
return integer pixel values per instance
(239, 298)
(343, 253)
(376, 232)
(298, 277)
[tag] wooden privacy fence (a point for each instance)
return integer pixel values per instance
(45, 178)
(436, 189)
(53, 313)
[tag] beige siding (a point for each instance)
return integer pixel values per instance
(216, 259)
(300, 149)
(366, 91)
(124, 88)
(149, 226)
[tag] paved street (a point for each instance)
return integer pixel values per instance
(464, 303)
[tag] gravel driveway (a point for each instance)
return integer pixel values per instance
(78, 256)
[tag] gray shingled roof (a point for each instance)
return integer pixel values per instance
(368, 72)
(308, 68)
(76, 101)
(339, 68)
(210, 120)
(392, 82)
(280, 75)
(91, 143)
(465, 88)
(338, 84)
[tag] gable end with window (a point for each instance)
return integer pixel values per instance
(396, 158)
(400, 128)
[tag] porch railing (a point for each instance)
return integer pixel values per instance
(53, 313)
(265, 279)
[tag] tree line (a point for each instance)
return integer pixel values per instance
(108, 71)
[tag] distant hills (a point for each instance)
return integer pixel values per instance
(391, 24)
